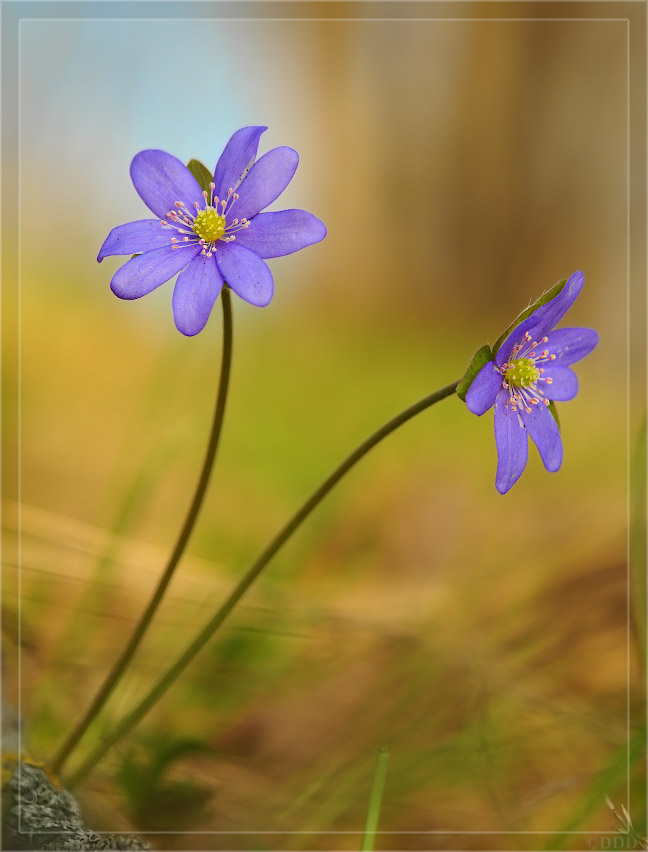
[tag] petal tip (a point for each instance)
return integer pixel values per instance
(121, 294)
(187, 331)
(505, 483)
(260, 301)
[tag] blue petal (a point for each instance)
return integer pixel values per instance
(246, 274)
(237, 159)
(544, 319)
(558, 383)
(484, 389)
(267, 179)
(549, 315)
(544, 432)
(195, 293)
(571, 344)
(136, 237)
(512, 444)
(161, 179)
(147, 271)
(277, 234)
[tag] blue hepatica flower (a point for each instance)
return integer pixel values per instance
(530, 369)
(210, 236)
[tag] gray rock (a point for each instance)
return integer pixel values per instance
(41, 815)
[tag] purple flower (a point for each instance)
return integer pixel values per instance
(210, 236)
(530, 369)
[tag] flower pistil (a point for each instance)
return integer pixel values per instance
(207, 226)
(522, 374)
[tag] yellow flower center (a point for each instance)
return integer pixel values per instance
(522, 373)
(209, 225)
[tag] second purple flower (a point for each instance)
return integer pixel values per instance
(213, 236)
(530, 370)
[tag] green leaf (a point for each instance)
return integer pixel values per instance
(482, 356)
(554, 411)
(546, 297)
(201, 173)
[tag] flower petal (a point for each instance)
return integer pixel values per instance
(512, 444)
(544, 319)
(246, 274)
(277, 234)
(194, 294)
(571, 344)
(484, 389)
(237, 159)
(545, 434)
(267, 179)
(135, 237)
(547, 316)
(144, 273)
(563, 384)
(161, 179)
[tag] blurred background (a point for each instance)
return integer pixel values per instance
(461, 167)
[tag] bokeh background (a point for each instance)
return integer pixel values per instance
(462, 166)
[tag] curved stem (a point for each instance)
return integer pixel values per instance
(137, 714)
(120, 666)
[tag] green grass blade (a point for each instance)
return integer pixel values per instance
(375, 800)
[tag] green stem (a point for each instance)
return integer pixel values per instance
(375, 800)
(137, 714)
(120, 666)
